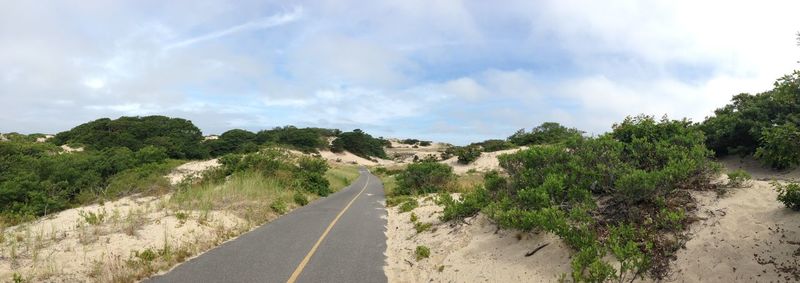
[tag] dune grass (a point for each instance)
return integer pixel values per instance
(249, 195)
(341, 176)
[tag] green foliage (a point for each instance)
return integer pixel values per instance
(469, 204)
(424, 177)
(413, 217)
(279, 206)
(780, 146)
(466, 154)
(312, 175)
(546, 133)
(738, 178)
(788, 194)
(764, 123)
(233, 141)
(408, 205)
(422, 252)
(180, 138)
(300, 199)
(359, 143)
(422, 227)
(37, 179)
(301, 173)
(397, 199)
(92, 218)
(622, 241)
(637, 169)
(493, 145)
(303, 139)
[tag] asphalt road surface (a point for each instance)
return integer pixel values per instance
(335, 239)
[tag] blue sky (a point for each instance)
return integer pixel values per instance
(454, 71)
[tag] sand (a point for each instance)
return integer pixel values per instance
(347, 157)
(191, 169)
(474, 252)
(745, 236)
(65, 248)
(404, 153)
(486, 162)
(68, 149)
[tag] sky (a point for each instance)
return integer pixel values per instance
(453, 71)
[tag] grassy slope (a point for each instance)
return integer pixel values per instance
(341, 176)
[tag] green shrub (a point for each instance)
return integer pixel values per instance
(753, 122)
(422, 227)
(233, 141)
(92, 218)
(546, 133)
(467, 154)
(279, 206)
(780, 146)
(179, 137)
(303, 139)
(788, 194)
(424, 177)
(422, 252)
(395, 200)
(409, 205)
(359, 143)
(493, 145)
(639, 171)
(300, 199)
(738, 178)
(469, 205)
(413, 217)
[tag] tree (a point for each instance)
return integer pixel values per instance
(546, 133)
(359, 143)
(179, 137)
(740, 127)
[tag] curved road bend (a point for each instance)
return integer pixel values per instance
(352, 250)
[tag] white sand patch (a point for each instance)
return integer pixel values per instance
(404, 153)
(191, 169)
(476, 252)
(744, 237)
(347, 157)
(66, 248)
(486, 162)
(68, 149)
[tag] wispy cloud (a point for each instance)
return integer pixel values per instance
(262, 23)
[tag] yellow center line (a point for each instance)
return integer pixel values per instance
(303, 263)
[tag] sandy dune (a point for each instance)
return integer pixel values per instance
(66, 248)
(746, 236)
(191, 169)
(347, 157)
(477, 252)
(488, 161)
(743, 236)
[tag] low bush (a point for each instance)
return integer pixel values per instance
(422, 252)
(424, 177)
(279, 206)
(408, 205)
(359, 143)
(469, 204)
(738, 178)
(788, 194)
(780, 146)
(468, 154)
(641, 170)
(546, 133)
(300, 199)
